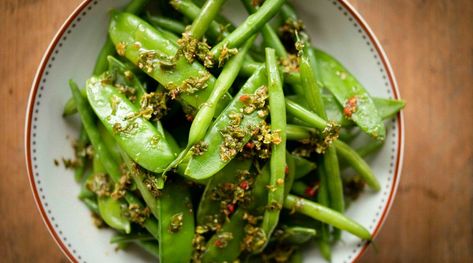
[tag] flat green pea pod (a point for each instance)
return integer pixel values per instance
(123, 75)
(221, 134)
(135, 135)
(220, 248)
(110, 209)
(147, 48)
(209, 207)
(176, 223)
(225, 245)
(358, 104)
(387, 108)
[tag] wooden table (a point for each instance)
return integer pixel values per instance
(430, 45)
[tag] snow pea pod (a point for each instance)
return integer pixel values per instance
(303, 166)
(135, 135)
(108, 49)
(358, 104)
(259, 197)
(208, 206)
(176, 223)
(388, 108)
(86, 115)
(147, 48)
(110, 209)
(210, 162)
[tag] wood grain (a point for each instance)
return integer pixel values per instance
(430, 45)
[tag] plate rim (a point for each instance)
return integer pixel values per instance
(77, 11)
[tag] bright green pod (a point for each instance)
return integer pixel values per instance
(135, 135)
(147, 48)
(200, 167)
(208, 206)
(176, 223)
(358, 104)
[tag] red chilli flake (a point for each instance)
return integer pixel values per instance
(231, 208)
(350, 107)
(189, 117)
(310, 191)
(244, 185)
(250, 145)
(245, 98)
(219, 243)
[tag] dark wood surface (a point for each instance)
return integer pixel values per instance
(430, 45)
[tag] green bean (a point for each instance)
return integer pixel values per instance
(249, 27)
(144, 46)
(140, 178)
(102, 152)
(297, 133)
(166, 23)
(176, 223)
(203, 166)
(206, 113)
(369, 148)
(312, 90)
(270, 37)
(110, 209)
(357, 162)
(135, 135)
(288, 12)
(207, 14)
(326, 215)
(190, 10)
(278, 153)
(305, 115)
(295, 235)
(323, 199)
(80, 148)
(334, 180)
(204, 116)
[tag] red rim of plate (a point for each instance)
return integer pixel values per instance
(78, 10)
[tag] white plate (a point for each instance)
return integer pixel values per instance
(334, 26)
